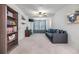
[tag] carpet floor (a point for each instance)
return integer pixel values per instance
(39, 44)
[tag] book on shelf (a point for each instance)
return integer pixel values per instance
(10, 22)
(11, 29)
(12, 37)
(10, 14)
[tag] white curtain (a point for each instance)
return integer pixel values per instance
(40, 25)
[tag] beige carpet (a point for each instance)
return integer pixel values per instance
(39, 44)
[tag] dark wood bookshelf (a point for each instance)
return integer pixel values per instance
(13, 18)
(9, 17)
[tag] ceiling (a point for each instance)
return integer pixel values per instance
(51, 9)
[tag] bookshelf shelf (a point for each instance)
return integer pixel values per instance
(11, 25)
(11, 33)
(11, 18)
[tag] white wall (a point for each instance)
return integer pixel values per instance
(21, 27)
(60, 22)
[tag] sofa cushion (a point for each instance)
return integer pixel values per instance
(52, 30)
(50, 35)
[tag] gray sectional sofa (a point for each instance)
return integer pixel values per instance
(57, 36)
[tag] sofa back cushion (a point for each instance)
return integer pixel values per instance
(52, 30)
